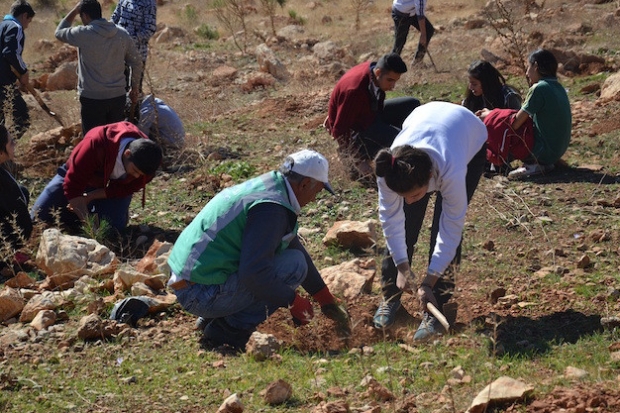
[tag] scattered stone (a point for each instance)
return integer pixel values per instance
(92, 327)
(44, 301)
(125, 277)
(224, 72)
(277, 392)
(352, 234)
(508, 300)
(501, 391)
(64, 77)
(332, 407)
(262, 346)
(584, 261)
(21, 280)
(269, 63)
(574, 373)
(43, 320)
(11, 303)
(350, 278)
(65, 258)
(232, 404)
(377, 391)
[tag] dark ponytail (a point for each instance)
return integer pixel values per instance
(403, 168)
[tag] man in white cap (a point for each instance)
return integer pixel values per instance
(240, 259)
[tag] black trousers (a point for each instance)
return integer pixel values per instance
(402, 23)
(386, 126)
(99, 112)
(414, 217)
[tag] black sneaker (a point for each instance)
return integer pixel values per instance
(219, 333)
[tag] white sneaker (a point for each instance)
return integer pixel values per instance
(530, 169)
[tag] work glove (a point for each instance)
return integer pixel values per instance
(301, 310)
(334, 310)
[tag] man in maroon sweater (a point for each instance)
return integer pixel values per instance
(359, 118)
(104, 170)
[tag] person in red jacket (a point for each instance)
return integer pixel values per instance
(103, 171)
(359, 117)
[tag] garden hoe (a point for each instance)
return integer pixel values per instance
(40, 101)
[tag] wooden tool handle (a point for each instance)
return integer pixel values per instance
(438, 315)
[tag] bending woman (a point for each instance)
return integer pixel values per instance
(442, 150)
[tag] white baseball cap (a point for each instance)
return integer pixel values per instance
(311, 164)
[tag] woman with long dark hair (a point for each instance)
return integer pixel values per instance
(487, 88)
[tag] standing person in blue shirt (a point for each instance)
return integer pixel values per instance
(240, 259)
(548, 105)
(407, 13)
(12, 39)
(441, 150)
(139, 18)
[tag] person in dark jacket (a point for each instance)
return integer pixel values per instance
(240, 259)
(15, 222)
(360, 119)
(102, 173)
(12, 66)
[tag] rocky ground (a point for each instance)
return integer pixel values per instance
(204, 85)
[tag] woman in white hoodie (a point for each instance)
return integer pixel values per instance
(441, 149)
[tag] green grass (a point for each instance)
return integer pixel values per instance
(175, 376)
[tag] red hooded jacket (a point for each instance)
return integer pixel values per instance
(92, 161)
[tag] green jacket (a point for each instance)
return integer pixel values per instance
(208, 250)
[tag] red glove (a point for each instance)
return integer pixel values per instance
(324, 297)
(301, 310)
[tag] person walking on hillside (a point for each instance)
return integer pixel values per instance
(441, 150)
(407, 13)
(13, 67)
(103, 51)
(360, 119)
(240, 259)
(139, 18)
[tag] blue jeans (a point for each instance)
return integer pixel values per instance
(51, 206)
(233, 302)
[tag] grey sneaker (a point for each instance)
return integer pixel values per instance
(386, 313)
(428, 328)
